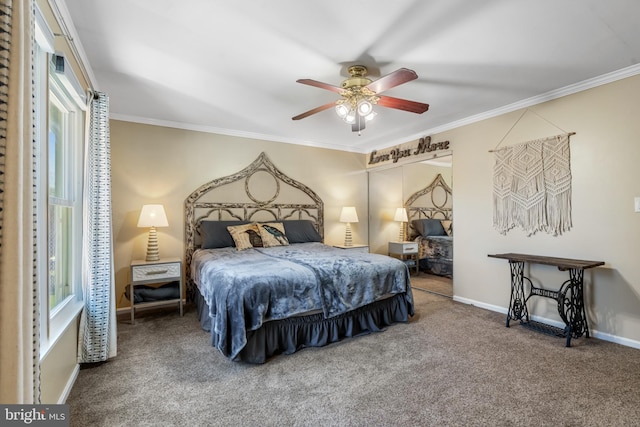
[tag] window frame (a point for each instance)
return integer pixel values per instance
(62, 85)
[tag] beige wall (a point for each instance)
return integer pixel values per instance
(152, 164)
(59, 366)
(605, 176)
(385, 196)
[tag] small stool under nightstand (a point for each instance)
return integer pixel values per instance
(155, 272)
(407, 252)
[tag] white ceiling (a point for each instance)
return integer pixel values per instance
(231, 67)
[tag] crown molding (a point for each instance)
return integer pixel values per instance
(611, 77)
(228, 132)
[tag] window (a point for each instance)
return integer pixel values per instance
(63, 144)
(59, 128)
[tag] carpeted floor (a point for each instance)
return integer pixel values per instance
(451, 365)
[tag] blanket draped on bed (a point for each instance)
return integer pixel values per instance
(244, 289)
(436, 255)
(532, 186)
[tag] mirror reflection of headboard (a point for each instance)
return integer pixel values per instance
(433, 201)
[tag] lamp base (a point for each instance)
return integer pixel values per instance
(153, 252)
(347, 236)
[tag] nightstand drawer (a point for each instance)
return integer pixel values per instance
(142, 273)
(403, 248)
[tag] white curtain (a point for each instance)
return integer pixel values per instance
(97, 336)
(19, 299)
(532, 186)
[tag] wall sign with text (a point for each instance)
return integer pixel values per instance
(420, 147)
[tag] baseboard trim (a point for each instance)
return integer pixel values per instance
(594, 333)
(67, 389)
(616, 339)
(480, 304)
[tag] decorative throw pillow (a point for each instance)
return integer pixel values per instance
(272, 234)
(301, 231)
(447, 224)
(241, 235)
(215, 234)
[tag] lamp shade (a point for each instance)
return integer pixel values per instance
(348, 214)
(401, 215)
(152, 216)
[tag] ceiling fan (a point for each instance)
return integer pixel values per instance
(359, 95)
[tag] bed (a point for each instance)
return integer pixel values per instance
(430, 224)
(262, 279)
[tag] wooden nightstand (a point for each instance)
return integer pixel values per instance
(357, 248)
(155, 272)
(407, 252)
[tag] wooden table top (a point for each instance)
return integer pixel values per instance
(561, 263)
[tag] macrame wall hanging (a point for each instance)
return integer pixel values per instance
(532, 185)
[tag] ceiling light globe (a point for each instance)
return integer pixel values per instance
(350, 117)
(364, 108)
(342, 110)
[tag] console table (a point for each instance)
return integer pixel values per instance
(569, 296)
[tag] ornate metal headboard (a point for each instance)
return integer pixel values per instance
(433, 201)
(259, 192)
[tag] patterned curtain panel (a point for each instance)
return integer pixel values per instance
(19, 299)
(97, 335)
(532, 186)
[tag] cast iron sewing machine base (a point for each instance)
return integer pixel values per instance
(569, 298)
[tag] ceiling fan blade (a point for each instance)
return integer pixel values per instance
(321, 85)
(393, 79)
(315, 110)
(402, 104)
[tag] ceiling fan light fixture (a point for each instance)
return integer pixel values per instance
(359, 94)
(364, 107)
(342, 111)
(350, 117)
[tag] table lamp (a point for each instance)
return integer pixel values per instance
(152, 216)
(401, 217)
(348, 215)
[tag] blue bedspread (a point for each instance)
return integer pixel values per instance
(243, 289)
(436, 255)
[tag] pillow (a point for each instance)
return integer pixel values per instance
(301, 231)
(429, 227)
(241, 235)
(447, 224)
(272, 234)
(215, 234)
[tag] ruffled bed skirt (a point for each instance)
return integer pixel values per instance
(290, 335)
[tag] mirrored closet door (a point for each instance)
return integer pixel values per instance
(389, 189)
